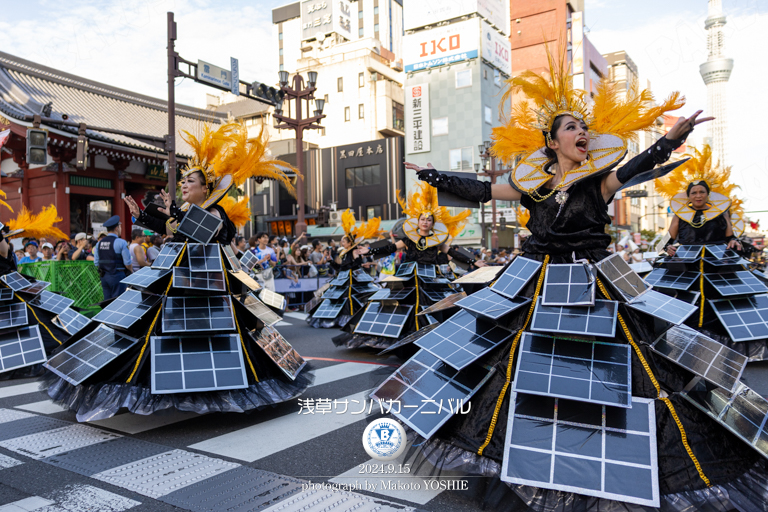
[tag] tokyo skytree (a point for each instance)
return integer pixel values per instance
(715, 72)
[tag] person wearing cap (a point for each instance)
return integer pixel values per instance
(113, 259)
(47, 250)
(32, 256)
(80, 250)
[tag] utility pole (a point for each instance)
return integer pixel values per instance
(170, 142)
(490, 170)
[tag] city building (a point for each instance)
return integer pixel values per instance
(715, 72)
(117, 165)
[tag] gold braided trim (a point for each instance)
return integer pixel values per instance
(349, 294)
(701, 287)
(416, 309)
(667, 401)
(496, 410)
(234, 315)
(38, 320)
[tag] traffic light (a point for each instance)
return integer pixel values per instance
(81, 158)
(267, 93)
(503, 223)
(37, 146)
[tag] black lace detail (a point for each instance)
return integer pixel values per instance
(648, 159)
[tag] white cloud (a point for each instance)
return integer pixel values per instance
(668, 53)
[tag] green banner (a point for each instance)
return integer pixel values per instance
(156, 172)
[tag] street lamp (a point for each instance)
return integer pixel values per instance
(492, 172)
(296, 91)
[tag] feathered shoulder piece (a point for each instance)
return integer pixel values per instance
(237, 211)
(423, 201)
(537, 100)
(37, 226)
(365, 231)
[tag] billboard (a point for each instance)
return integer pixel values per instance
(442, 45)
(428, 12)
(417, 119)
(325, 17)
(496, 49)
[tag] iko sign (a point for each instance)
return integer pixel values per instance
(324, 17)
(429, 12)
(496, 49)
(417, 119)
(440, 46)
(214, 75)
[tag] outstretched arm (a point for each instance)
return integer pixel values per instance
(472, 190)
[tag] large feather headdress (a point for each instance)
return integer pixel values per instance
(37, 226)
(423, 201)
(613, 119)
(357, 234)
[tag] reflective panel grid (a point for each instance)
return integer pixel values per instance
(212, 281)
(330, 308)
(194, 314)
(718, 251)
(641, 267)
(664, 278)
(688, 252)
(726, 262)
(259, 310)
(247, 280)
(204, 363)
(736, 283)
(365, 288)
(71, 321)
(52, 302)
(168, 255)
(425, 270)
(199, 225)
(91, 353)
(361, 276)
(411, 338)
(204, 258)
(341, 278)
(15, 281)
(272, 299)
(744, 318)
(405, 269)
(146, 276)
(623, 278)
(436, 295)
(598, 320)
(20, 348)
(663, 306)
(590, 449)
(744, 412)
(248, 260)
(390, 294)
(462, 339)
(490, 304)
(6, 294)
(280, 351)
(446, 303)
(592, 372)
(516, 276)
(429, 391)
(335, 292)
(702, 355)
(36, 288)
(383, 320)
(13, 315)
(480, 276)
(127, 309)
(232, 261)
(570, 284)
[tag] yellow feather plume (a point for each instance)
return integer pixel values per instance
(38, 226)
(423, 200)
(523, 216)
(2, 194)
(369, 229)
(699, 167)
(737, 206)
(209, 145)
(348, 221)
(237, 211)
(455, 223)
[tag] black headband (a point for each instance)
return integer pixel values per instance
(696, 183)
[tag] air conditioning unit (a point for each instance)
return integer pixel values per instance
(334, 218)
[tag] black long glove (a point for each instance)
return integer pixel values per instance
(462, 255)
(471, 190)
(383, 250)
(648, 159)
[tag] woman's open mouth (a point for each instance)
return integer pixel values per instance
(581, 145)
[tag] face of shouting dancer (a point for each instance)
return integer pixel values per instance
(570, 141)
(194, 190)
(698, 196)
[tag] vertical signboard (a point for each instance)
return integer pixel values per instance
(577, 41)
(235, 65)
(420, 13)
(442, 45)
(417, 119)
(325, 17)
(496, 49)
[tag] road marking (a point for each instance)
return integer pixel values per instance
(282, 433)
(342, 371)
(27, 504)
(43, 407)
(20, 389)
(56, 441)
(8, 462)
(300, 316)
(88, 497)
(130, 423)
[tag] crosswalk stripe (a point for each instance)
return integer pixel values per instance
(281, 433)
(19, 389)
(342, 371)
(26, 505)
(130, 423)
(42, 407)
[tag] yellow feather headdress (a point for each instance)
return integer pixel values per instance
(365, 231)
(2, 194)
(423, 201)
(700, 167)
(37, 226)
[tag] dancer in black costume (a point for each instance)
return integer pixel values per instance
(256, 367)
(567, 186)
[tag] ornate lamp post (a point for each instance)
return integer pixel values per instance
(298, 92)
(490, 169)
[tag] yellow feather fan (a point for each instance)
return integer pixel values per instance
(2, 194)
(37, 226)
(546, 98)
(348, 221)
(237, 211)
(423, 201)
(365, 231)
(699, 167)
(523, 216)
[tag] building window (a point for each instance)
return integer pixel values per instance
(363, 176)
(373, 211)
(440, 126)
(340, 84)
(326, 98)
(360, 14)
(461, 159)
(376, 10)
(360, 32)
(488, 115)
(485, 73)
(361, 111)
(361, 79)
(280, 36)
(346, 114)
(281, 52)
(464, 78)
(376, 27)
(281, 67)
(398, 116)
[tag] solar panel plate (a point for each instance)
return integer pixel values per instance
(663, 306)
(6, 294)
(361, 276)
(335, 292)
(232, 262)
(480, 276)
(247, 280)
(20, 348)
(71, 321)
(35, 288)
(280, 351)
(425, 270)
(390, 294)
(730, 284)
(15, 281)
(411, 338)
(664, 278)
(168, 256)
(272, 299)
(13, 315)
(516, 276)
(361, 289)
(258, 309)
(622, 277)
(598, 320)
(490, 304)
(248, 260)
(211, 281)
(744, 318)
(52, 302)
(145, 277)
(127, 309)
(197, 314)
(405, 269)
(383, 320)
(341, 278)
(446, 303)
(199, 225)
(204, 258)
